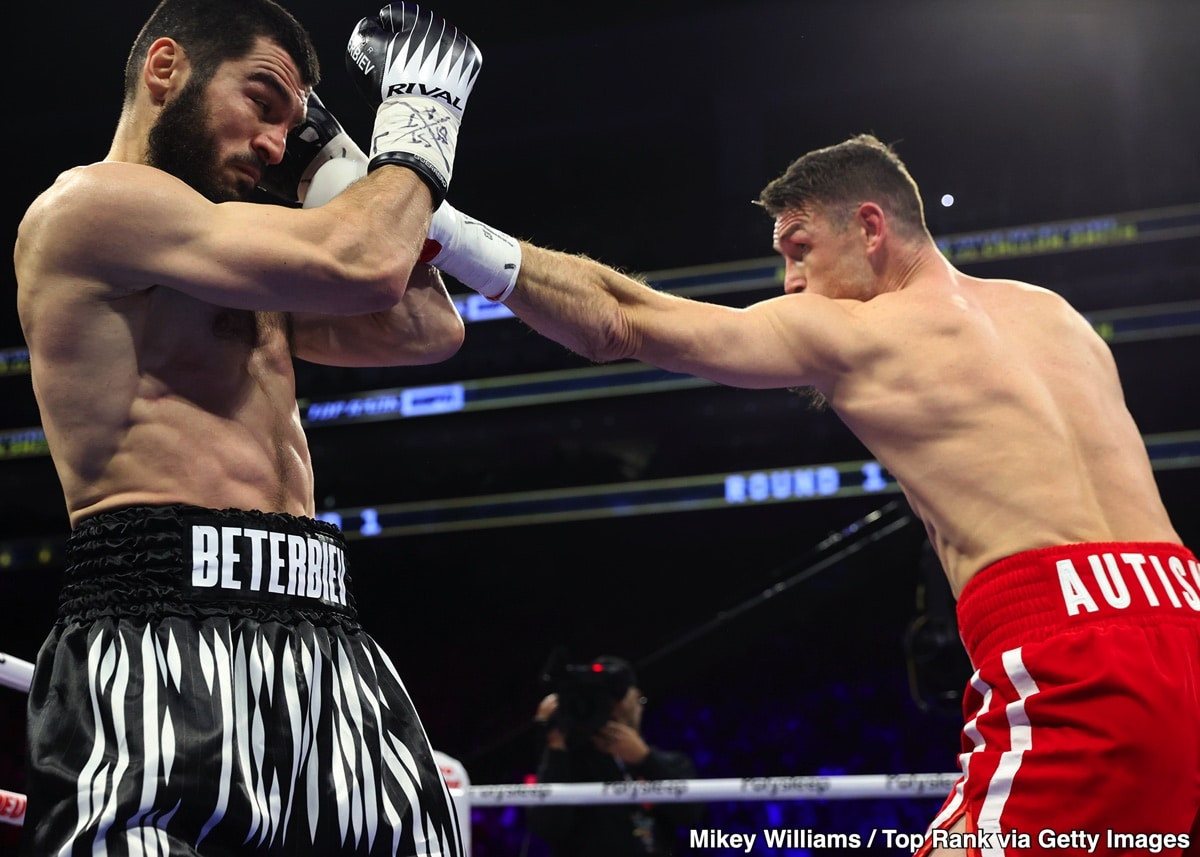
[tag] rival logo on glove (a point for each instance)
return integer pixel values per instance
(427, 91)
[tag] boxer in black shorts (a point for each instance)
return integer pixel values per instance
(207, 689)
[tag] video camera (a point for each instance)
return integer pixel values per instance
(587, 692)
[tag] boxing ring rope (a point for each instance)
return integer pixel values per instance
(18, 674)
(15, 673)
(819, 787)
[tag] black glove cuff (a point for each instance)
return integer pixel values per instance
(437, 187)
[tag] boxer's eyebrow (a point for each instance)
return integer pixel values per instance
(281, 92)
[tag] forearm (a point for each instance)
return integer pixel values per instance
(591, 308)
(352, 256)
(424, 327)
(416, 70)
(579, 303)
(373, 228)
(384, 216)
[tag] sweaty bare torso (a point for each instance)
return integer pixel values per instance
(999, 411)
(152, 397)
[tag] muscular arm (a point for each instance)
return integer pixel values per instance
(424, 327)
(135, 227)
(793, 340)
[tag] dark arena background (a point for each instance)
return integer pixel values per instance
(742, 549)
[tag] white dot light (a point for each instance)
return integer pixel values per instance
(947, 200)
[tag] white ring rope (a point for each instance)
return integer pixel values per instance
(15, 673)
(845, 787)
(18, 674)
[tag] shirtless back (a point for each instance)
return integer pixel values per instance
(994, 404)
(954, 373)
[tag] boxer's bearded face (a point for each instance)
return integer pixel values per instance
(183, 144)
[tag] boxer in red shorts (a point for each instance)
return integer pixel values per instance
(1083, 715)
(1000, 412)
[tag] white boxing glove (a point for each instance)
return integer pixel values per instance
(333, 177)
(417, 69)
(317, 145)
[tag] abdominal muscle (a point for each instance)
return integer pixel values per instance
(176, 453)
(193, 413)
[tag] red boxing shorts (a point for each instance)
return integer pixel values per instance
(1082, 730)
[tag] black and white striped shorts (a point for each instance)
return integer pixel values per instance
(207, 690)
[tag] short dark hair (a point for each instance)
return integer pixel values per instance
(213, 31)
(860, 169)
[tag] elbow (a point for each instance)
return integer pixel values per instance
(371, 267)
(456, 334)
(373, 274)
(422, 339)
(380, 283)
(445, 341)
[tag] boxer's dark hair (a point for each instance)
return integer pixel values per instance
(838, 178)
(213, 31)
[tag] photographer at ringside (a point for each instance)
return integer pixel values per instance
(592, 723)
